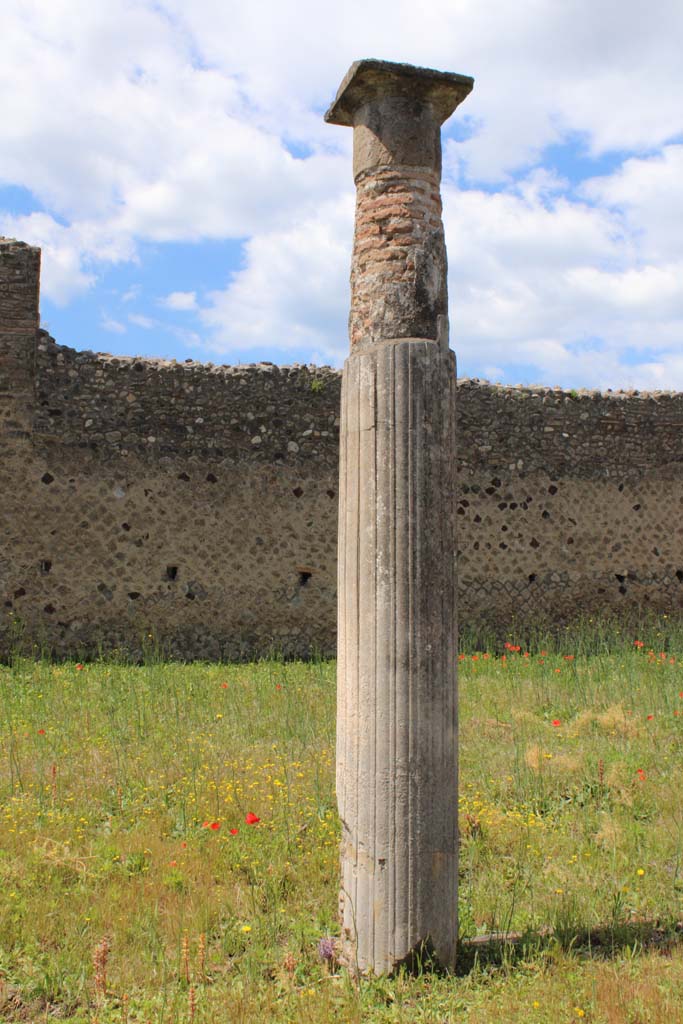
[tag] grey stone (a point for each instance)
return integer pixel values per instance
(397, 687)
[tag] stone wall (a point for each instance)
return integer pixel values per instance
(198, 503)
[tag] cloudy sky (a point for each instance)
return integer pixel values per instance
(172, 161)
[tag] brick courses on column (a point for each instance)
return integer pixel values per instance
(397, 688)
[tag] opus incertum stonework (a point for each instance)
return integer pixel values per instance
(199, 502)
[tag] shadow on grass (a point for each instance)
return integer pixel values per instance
(602, 942)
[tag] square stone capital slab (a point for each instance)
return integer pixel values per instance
(375, 80)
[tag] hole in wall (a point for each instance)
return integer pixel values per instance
(133, 594)
(636, 508)
(297, 492)
(47, 478)
(534, 543)
(496, 481)
(125, 526)
(552, 489)
(211, 478)
(171, 572)
(304, 577)
(545, 514)
(679, 575)
(622, 589)
(331, 494)
(49, 608)
(45, 566)
(531, 577)
(183, 476)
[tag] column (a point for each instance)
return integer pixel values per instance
(397, 652)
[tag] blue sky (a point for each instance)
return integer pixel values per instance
(172, 162)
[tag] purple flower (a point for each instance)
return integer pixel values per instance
(326, 948)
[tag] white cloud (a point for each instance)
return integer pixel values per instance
(649, 192)
(146, 322)
(293, 291)
(113, 326)
(557, 286)
(162, 121)
(63, 272)
(180, 301)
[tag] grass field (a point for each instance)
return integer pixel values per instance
(168, 842)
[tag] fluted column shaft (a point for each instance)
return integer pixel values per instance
(397, 689)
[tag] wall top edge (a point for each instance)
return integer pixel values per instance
(15, 243)
(513, 391)
(156, 365)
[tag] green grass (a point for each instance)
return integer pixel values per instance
(111, 777)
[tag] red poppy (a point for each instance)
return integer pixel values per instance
(79, 667)
(638, 644)
(650, 717)
(224, 686)
(214, 826)
(251, 819)
(278, 686)
(41, 732)
(556, 722)
(234, 831)
(568, 657)
(641, 774)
